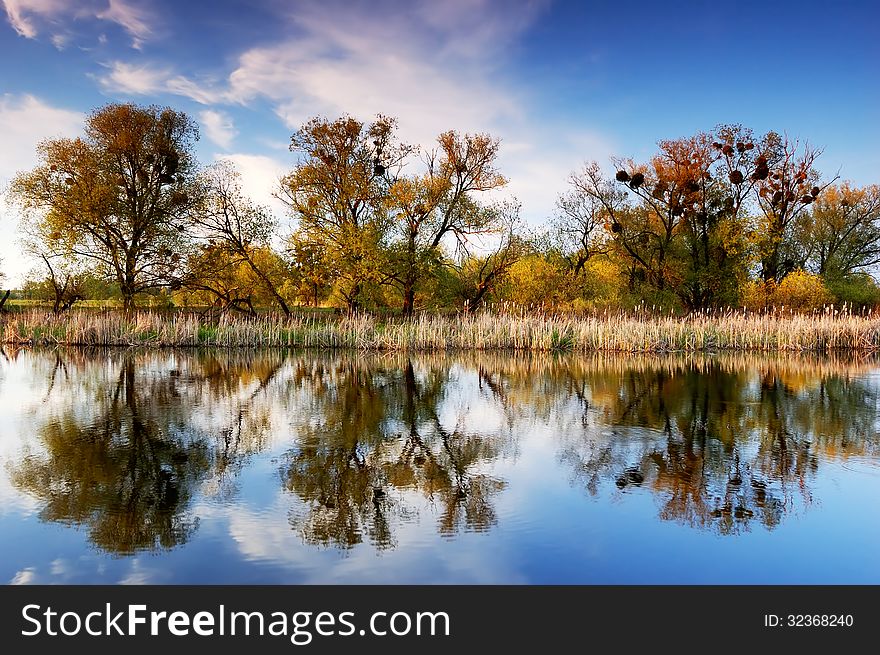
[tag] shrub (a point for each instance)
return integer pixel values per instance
(799, 291)
(858, 290)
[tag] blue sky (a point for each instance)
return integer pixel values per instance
(559, 82)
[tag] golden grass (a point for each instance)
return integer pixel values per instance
(704, 332)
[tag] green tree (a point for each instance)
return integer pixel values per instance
(217, 277)
(118, 196)
(840, 234)
(310, 270)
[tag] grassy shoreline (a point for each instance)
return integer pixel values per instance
(483, 331)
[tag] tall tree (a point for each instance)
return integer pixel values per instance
(336, 191)
(680, 219)
(439, 205)
(840, 235)
(119, 195)
(236, 232)
(788, 185)
(480, 268)
(578, 228)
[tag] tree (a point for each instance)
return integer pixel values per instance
(681, 220)
(439, 205)
(481, 270)
(578, 229)
(840, 235)
(228, 283)
(310, 271)
(788, 183)
(535, 280)
(236, 232)
(119, 196)
(336, 192)
(65, 287)
(4, 295)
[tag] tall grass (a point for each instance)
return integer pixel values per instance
(645, 333)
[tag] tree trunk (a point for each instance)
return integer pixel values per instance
(770, 267)
(269, 286)
(409, 299)
(354, 298)
(409, 285)
(4, 299)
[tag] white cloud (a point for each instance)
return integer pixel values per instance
(259, 178)
(24, 121)
(60, 41)
(431, 67)
(147, 79)
(134, 19)
(218, 127)
(201, 93)
(434, 66)
(21, 13)
(538, 169)
(134, 79)
(31, 17)
(23, 577)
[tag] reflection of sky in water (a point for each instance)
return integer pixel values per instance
(548, 424)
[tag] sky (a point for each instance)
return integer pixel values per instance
(561, 83)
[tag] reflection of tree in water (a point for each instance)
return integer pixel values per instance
(377, 434)
(128, 470)
(125, 475)
(724, 446)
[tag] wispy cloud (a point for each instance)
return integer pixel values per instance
(23, 577)
(23, 14)
(133, 18)
(434, 66)
(60, 41)
(136, 79)
(30, 18)
(218, 127)
(147, 79)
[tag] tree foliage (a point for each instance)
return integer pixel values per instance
(235, 259)
(119, 195)
(336, 192)
(840, 235)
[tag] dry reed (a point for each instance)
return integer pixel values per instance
(644, 333)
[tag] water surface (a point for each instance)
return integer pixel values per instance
(283, 467)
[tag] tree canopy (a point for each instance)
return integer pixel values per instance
(714, 219)
(118, 195)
